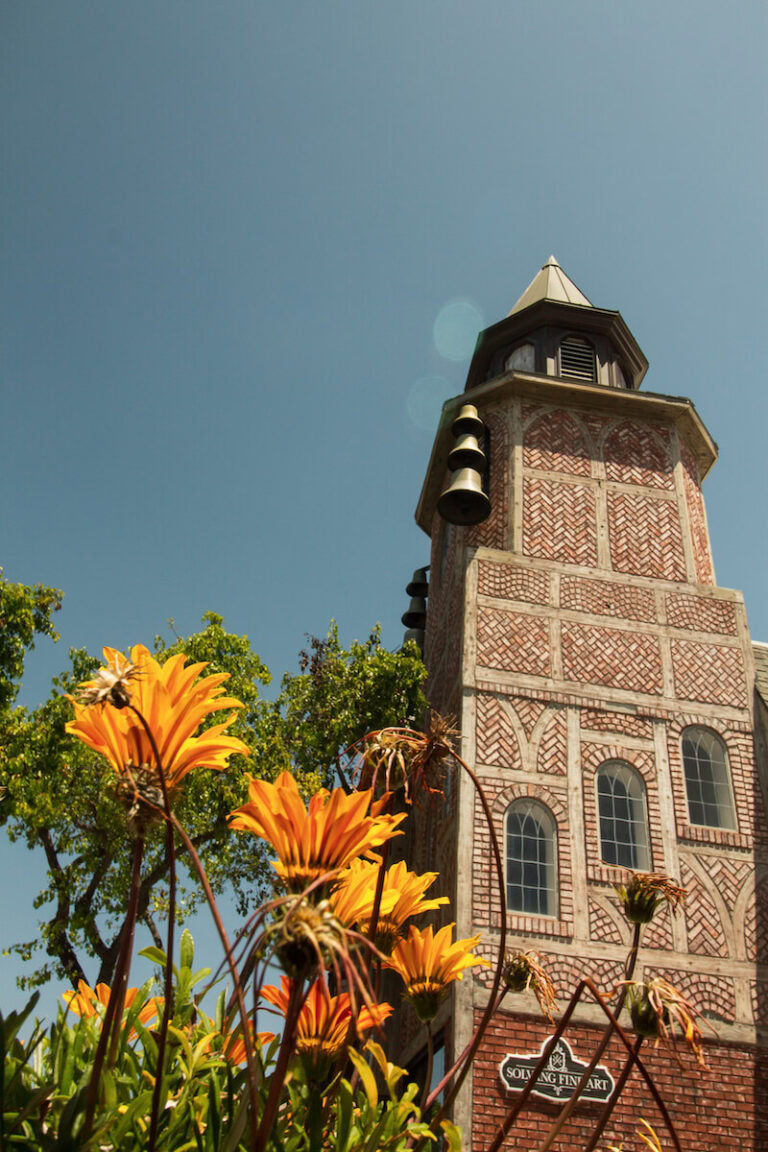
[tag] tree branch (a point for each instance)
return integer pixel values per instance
(57, 940)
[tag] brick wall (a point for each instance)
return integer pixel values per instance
(721, 1109)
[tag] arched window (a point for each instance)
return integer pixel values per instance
(623, 816)
(531, 859)
(707, 779)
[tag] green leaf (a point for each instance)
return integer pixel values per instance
(187, 949)
(452, 1135)
(366, 1076)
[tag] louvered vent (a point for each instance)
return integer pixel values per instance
(577, 360)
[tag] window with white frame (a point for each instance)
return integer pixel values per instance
(531, 840)
(707, 779)
(623, 814)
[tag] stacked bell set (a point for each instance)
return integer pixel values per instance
(464, 502)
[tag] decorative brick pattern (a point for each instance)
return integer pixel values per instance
(559, 521)
(554, 442)
(496, 741)
(708, 992)
(511, 582)
(658, 934)
(491, 533)
(645, 536)
(697, 517)
(513, 642)
(596, 425)
(553, 746)
(706, 934)
(759, 997)
(602, 926)
(615, 659)
(633, 454)
(709, 672)
(528, 712)
(567, 971)
(637, 726)
(700, 613)
(607, 598)
(756, 924)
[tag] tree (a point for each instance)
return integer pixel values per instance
(25, 612)
(58, 797)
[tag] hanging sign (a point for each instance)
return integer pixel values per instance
(559, 1076)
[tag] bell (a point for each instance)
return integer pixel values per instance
(416, 616)
(467, 454)
(468, 421)
(416, 634)
(464, 501)
(419, 585)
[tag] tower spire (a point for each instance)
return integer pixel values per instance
(551, 283)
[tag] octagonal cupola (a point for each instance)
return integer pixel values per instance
(554, 330)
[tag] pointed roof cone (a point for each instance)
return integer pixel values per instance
(551, 283)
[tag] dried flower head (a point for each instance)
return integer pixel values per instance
(110, 684)
(658, 1010)
(307, 937)
(649, 1138)
(395, 758)
(524, 972)
(645, 893)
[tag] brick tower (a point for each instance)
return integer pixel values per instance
(605, 689)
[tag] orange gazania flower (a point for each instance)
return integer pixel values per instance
(402, 896)
(309, 842)
(174, 699)
(234, 1043)
(428, 962)
(87, 1001)
(323, 1027)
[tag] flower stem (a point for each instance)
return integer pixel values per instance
(114, 1010)
(198, 866)
(464, 1062)
(430, 1062)
(295, 1002)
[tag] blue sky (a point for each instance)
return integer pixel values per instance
(229, 236)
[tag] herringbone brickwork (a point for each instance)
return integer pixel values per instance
(708, 992)
(528, 712)
(700, 613)
(634, 454)
(637, 726)
(491, 533)
(706, 934)
(756, 923)
(645, 536)
(607, 598)
(513, 642)
(511, 582)
(602, 926)
(658, 934)
(709, 672)
(553, 746)
(759, 997)
(567, 971)
(611, 657)
(559, 521)
(697, 517)
(554, 442)
(496, 741)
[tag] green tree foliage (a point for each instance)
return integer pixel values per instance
(25, 612)
(59, 797)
